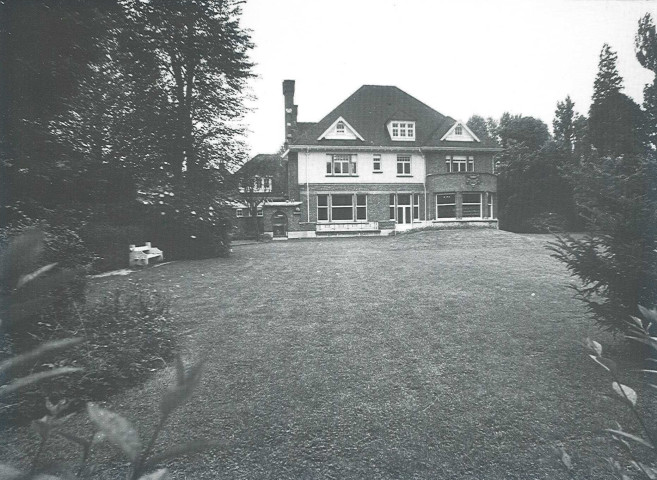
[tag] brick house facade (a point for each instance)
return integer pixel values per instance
(380, 162)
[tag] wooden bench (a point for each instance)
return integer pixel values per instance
(139, 256)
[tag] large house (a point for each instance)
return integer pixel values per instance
(380, 162)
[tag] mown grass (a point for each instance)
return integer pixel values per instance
(440, 354)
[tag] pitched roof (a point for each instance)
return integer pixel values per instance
(370, 108)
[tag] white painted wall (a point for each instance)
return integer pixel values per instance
(316, 170)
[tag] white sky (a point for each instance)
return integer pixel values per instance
(461, 57)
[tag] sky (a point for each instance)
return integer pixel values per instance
(460, 57)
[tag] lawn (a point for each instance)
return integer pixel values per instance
(440, 354)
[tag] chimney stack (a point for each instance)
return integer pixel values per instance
(290, 110)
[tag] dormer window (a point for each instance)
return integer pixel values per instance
(404, 131)
(339, 128)
(458, 130)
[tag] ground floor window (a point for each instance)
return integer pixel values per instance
(491, 212)
(341, 207)
(416, 206)
(446, 205)
(471, 205)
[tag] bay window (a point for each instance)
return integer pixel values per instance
(446, 205)
(471, 205)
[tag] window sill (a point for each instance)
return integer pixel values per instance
(344, 176)
(377, 171)
(404, 174)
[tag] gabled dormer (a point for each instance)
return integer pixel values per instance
(401, 127)
(459, 132)
(340, 130)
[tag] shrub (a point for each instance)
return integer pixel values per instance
(128, 335)
(617, 262)
(187, 224)
(642, 459)
(546, 222)
(110, 243)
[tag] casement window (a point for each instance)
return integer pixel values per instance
(239, 213)
(393, 204)
(459, 163)
(471, 205)
(446, 205)
(322, 208)
(491, 212)
(343, 165)
(341, 207)
(376, 163)
(403, 165)
(339, 128)
(416, 206)
(257, 184)
(260, 213)
(402, 131)
(458, 130)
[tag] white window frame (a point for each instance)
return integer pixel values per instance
(326, 207)
(460, 163)
(340, 128)
(259, 212)
(342, 159)
(404, 131)
(464, 204)
(355, 206)
(438, 205)
(376, 159)
(239, 212)
(361, 206)
(458, 130)
(416, 206)
(404, 161)
(491, 212)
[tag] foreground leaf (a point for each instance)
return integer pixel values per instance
(606, 363)
(117, 429)
(179, 451)
(594, 346)
(161, 474)
(37, 353)
(36, 377)
(631, 437)
(625, 392)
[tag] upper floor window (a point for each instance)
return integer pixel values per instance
(339, 128)
(260, 212)
(376, 163)
(257, 184)
(403, 164)
(458, 130)
(341, 165)
(459, 163)
(239, 212)
(402, 131)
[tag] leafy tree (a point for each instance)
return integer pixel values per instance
(201, 51)
(517, 129)
(479, 126)
(563, 124)
(534, 195)
(616, 122)
(646, 53)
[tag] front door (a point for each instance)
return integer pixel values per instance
(279, 224)
(404, 208)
